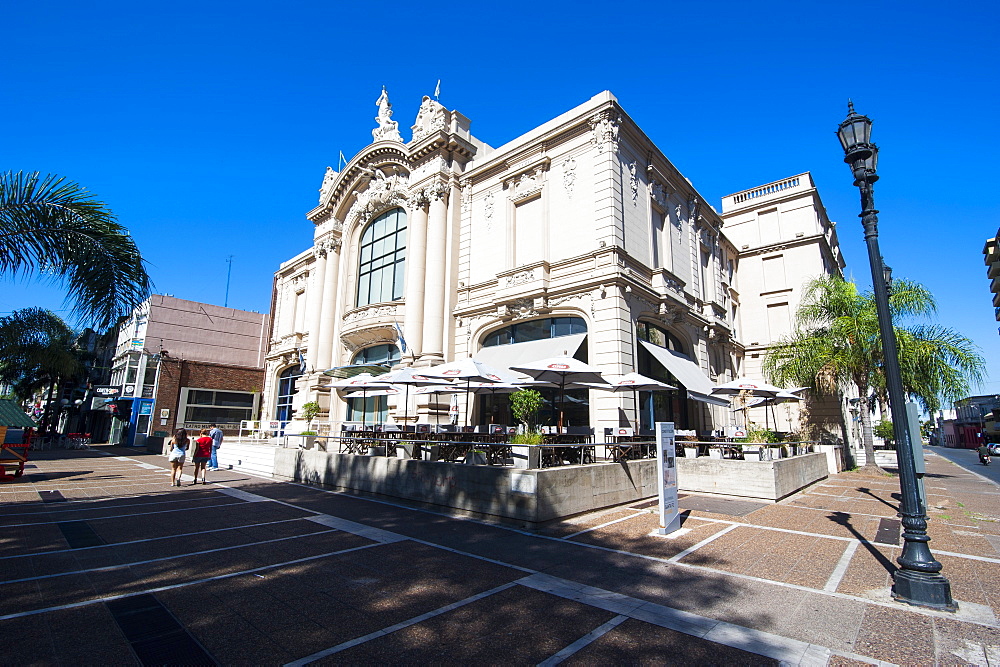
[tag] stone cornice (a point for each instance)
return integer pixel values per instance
(783, 245)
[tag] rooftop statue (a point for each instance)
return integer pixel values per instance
(387, 129)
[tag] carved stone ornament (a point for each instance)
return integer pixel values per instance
(466, 197)
(659, 193)
(678, 220)
(604, 130)
(633, 182)
(328, 179)
(382, 193)
(436, 190)
(376, 335)
(519, 278)
(489, 204)
(388, 129)
(370, 312)
(432, 117)
(527, 185)
(569, 176)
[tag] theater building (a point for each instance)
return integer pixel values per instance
(579, 236)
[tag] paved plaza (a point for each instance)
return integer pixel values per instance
(103, 562)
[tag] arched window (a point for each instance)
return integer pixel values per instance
(522, 332)
(372, 409)
(286, 390)
(495, 408)
(659, 406)
(382, 258)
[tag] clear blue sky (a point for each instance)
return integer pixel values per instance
(207, 126)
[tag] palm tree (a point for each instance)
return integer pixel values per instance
(38, 350)
(837, 341)
(52, 226)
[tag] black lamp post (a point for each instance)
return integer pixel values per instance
(918, 580)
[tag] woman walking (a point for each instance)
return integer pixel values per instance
(178, 450)
(202, 454)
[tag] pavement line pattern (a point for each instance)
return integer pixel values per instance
(584, 641)
(841, 569)
(604, 525)
(694, 547)
(359, 529)
(66, 508)
(243, 495)
(789, 651)
(121, 566)
(159, 589)
(149, 539)
(319, 655)
(127, 516)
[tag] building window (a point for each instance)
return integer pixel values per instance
(372, 409)
(286, 391)
(204, 407)
(383, 258)
(522, 332)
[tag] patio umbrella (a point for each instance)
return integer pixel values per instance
(409, 377)
(747, 390)
(636, 383)
(561, 370)
(364, 383)
(782, 397)
(494, 388)
(470, 370)
(448, 388)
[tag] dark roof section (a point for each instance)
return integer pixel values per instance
(12, 416)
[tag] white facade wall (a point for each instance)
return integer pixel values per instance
(582, 216)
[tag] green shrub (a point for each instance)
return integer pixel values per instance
(525, 404)
(759, 436)
(527, 439)
(310, 410)
(308, 433)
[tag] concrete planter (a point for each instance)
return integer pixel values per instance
(476, 458)
(691, 452)
(376, 451)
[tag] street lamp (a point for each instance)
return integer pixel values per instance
(918, 580)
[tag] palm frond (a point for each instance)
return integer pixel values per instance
(50, 225)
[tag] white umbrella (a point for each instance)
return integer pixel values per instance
(363, 383)
(409, 377)
(562, 370)
(748, 389)
(636, 383)
(470, 370)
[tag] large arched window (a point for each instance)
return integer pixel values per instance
(373, 409)
(659, 406)
(495, 408)
(286, 391)
(382, 258)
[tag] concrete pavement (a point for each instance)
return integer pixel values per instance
(101, 561)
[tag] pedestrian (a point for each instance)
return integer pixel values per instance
(216, 435)
(202, 453)
(178, 450)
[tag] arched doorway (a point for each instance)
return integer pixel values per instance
(286, 392)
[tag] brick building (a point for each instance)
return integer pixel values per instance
(187, 364)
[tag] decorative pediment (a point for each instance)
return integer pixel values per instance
(432, 117)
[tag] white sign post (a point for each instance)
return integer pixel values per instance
(666, 460)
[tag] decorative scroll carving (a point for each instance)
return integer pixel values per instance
(432, 117)
(381, 193)
(633, 182)
(388, 129)
(436, 190)
(519, 278)
(466, 197)
(678, 220)
(370, 312)
(328, 179)
(489, 203)
(569, 176)
(604, 130)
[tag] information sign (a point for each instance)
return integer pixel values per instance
(670, 519)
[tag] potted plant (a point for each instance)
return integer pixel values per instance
(308, 439)
(690, 450)
(476, 457)
(309, 411)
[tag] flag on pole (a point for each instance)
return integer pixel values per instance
(437, 90)
(343, 161)
(402, 341)
(302, 362)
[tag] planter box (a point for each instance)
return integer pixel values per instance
(691, 452)
(476, 458)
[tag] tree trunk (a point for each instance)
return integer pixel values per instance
(866, 432)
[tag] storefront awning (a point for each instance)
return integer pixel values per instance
(699, 387)
(516, 354)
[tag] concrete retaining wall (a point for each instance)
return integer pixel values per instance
(766, 480)
(535, 496)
